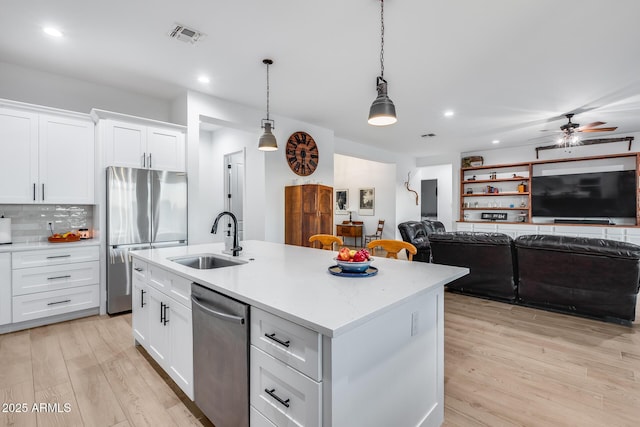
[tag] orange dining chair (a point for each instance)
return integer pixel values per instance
(326, 240)
(392, 247)
(377, 235)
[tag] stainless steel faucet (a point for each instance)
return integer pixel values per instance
(235, 250)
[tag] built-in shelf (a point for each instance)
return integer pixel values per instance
(511, 176)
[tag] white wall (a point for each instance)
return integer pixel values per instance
(528, 153)
(267, 173)
(405, 205)
(353, 174)
(208, 198)
(56, 91)
(444, 175)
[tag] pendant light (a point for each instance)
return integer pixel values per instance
(382, 111)
(267, 140)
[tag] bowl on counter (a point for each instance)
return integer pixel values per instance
(354, 267)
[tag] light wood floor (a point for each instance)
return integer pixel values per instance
(504, 366)
(507, 365)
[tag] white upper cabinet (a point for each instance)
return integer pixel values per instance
(140, 143)
(18, 156)
(46, 158)
(66, 154)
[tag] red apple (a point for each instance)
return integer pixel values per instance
(343, 254)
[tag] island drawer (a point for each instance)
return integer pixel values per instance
(295, 345)
(256, 419)
(282, 394)
(49, 278)
(169, 283)
(64, 255)
(139, 270)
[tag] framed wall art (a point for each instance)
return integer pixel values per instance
(342, 202)
(366, 201)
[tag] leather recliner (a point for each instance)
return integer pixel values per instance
(591, 277)
(417, 233)
(489, 257)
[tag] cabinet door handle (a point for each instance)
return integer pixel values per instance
(142, 303)
(161, 312)
(150, 161)
(280, 400)
(43, 192)
(278, 340)
(59, 256)
(166, 318)
(34, 191)
(59, 277)
(144, 160)
(59, 302)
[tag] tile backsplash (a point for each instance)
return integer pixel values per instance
(29, 222)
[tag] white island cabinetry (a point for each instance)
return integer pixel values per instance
(326, 350)
(161, 320)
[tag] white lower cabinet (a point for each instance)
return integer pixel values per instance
(256, 419)
(285, 396)
(51, 303)
(140, 302)
(162, 322)
(5, 288)
(286, 371)
(54, 281)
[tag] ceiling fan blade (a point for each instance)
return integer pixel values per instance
(599, 129)
(592, 125)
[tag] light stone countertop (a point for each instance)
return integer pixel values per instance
(39, 245)
(294, 282)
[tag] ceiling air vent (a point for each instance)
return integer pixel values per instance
(187, 35)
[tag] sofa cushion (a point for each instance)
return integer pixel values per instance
(489, 257)
(592, 277)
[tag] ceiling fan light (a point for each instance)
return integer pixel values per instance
(382, 111)
(267, 141)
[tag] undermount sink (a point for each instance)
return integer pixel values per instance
(206, 261)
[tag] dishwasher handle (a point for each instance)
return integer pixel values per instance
(218, 314)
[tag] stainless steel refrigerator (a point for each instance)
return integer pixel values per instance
(145, 209)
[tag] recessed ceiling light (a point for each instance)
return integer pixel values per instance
(204, 79)
(53, 32)
(448, 113)
(495, 141)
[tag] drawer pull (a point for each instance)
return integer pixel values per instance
(59, 277)
(272, 393)
(278, 340)
(138, 269)
(59, 256)
(59, 302)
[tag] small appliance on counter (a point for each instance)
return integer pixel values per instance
(5, 230)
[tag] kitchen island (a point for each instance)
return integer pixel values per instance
(377, 356)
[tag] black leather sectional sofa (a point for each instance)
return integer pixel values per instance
(417, 233)
(590, 277)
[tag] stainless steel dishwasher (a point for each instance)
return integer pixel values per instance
(220, 357)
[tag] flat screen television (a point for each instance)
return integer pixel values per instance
(584, 195)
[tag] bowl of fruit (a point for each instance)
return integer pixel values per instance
(353, 261)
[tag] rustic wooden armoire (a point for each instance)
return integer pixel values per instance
(308, 210)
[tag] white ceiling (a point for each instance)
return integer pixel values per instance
(508, 68)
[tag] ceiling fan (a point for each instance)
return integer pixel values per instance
(570, 131)
(571, 127)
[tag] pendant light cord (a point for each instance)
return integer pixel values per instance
(382, 39)
(267, 91)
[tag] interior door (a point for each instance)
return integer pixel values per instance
(234, 185)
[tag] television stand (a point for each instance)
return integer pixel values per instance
(583, 221)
